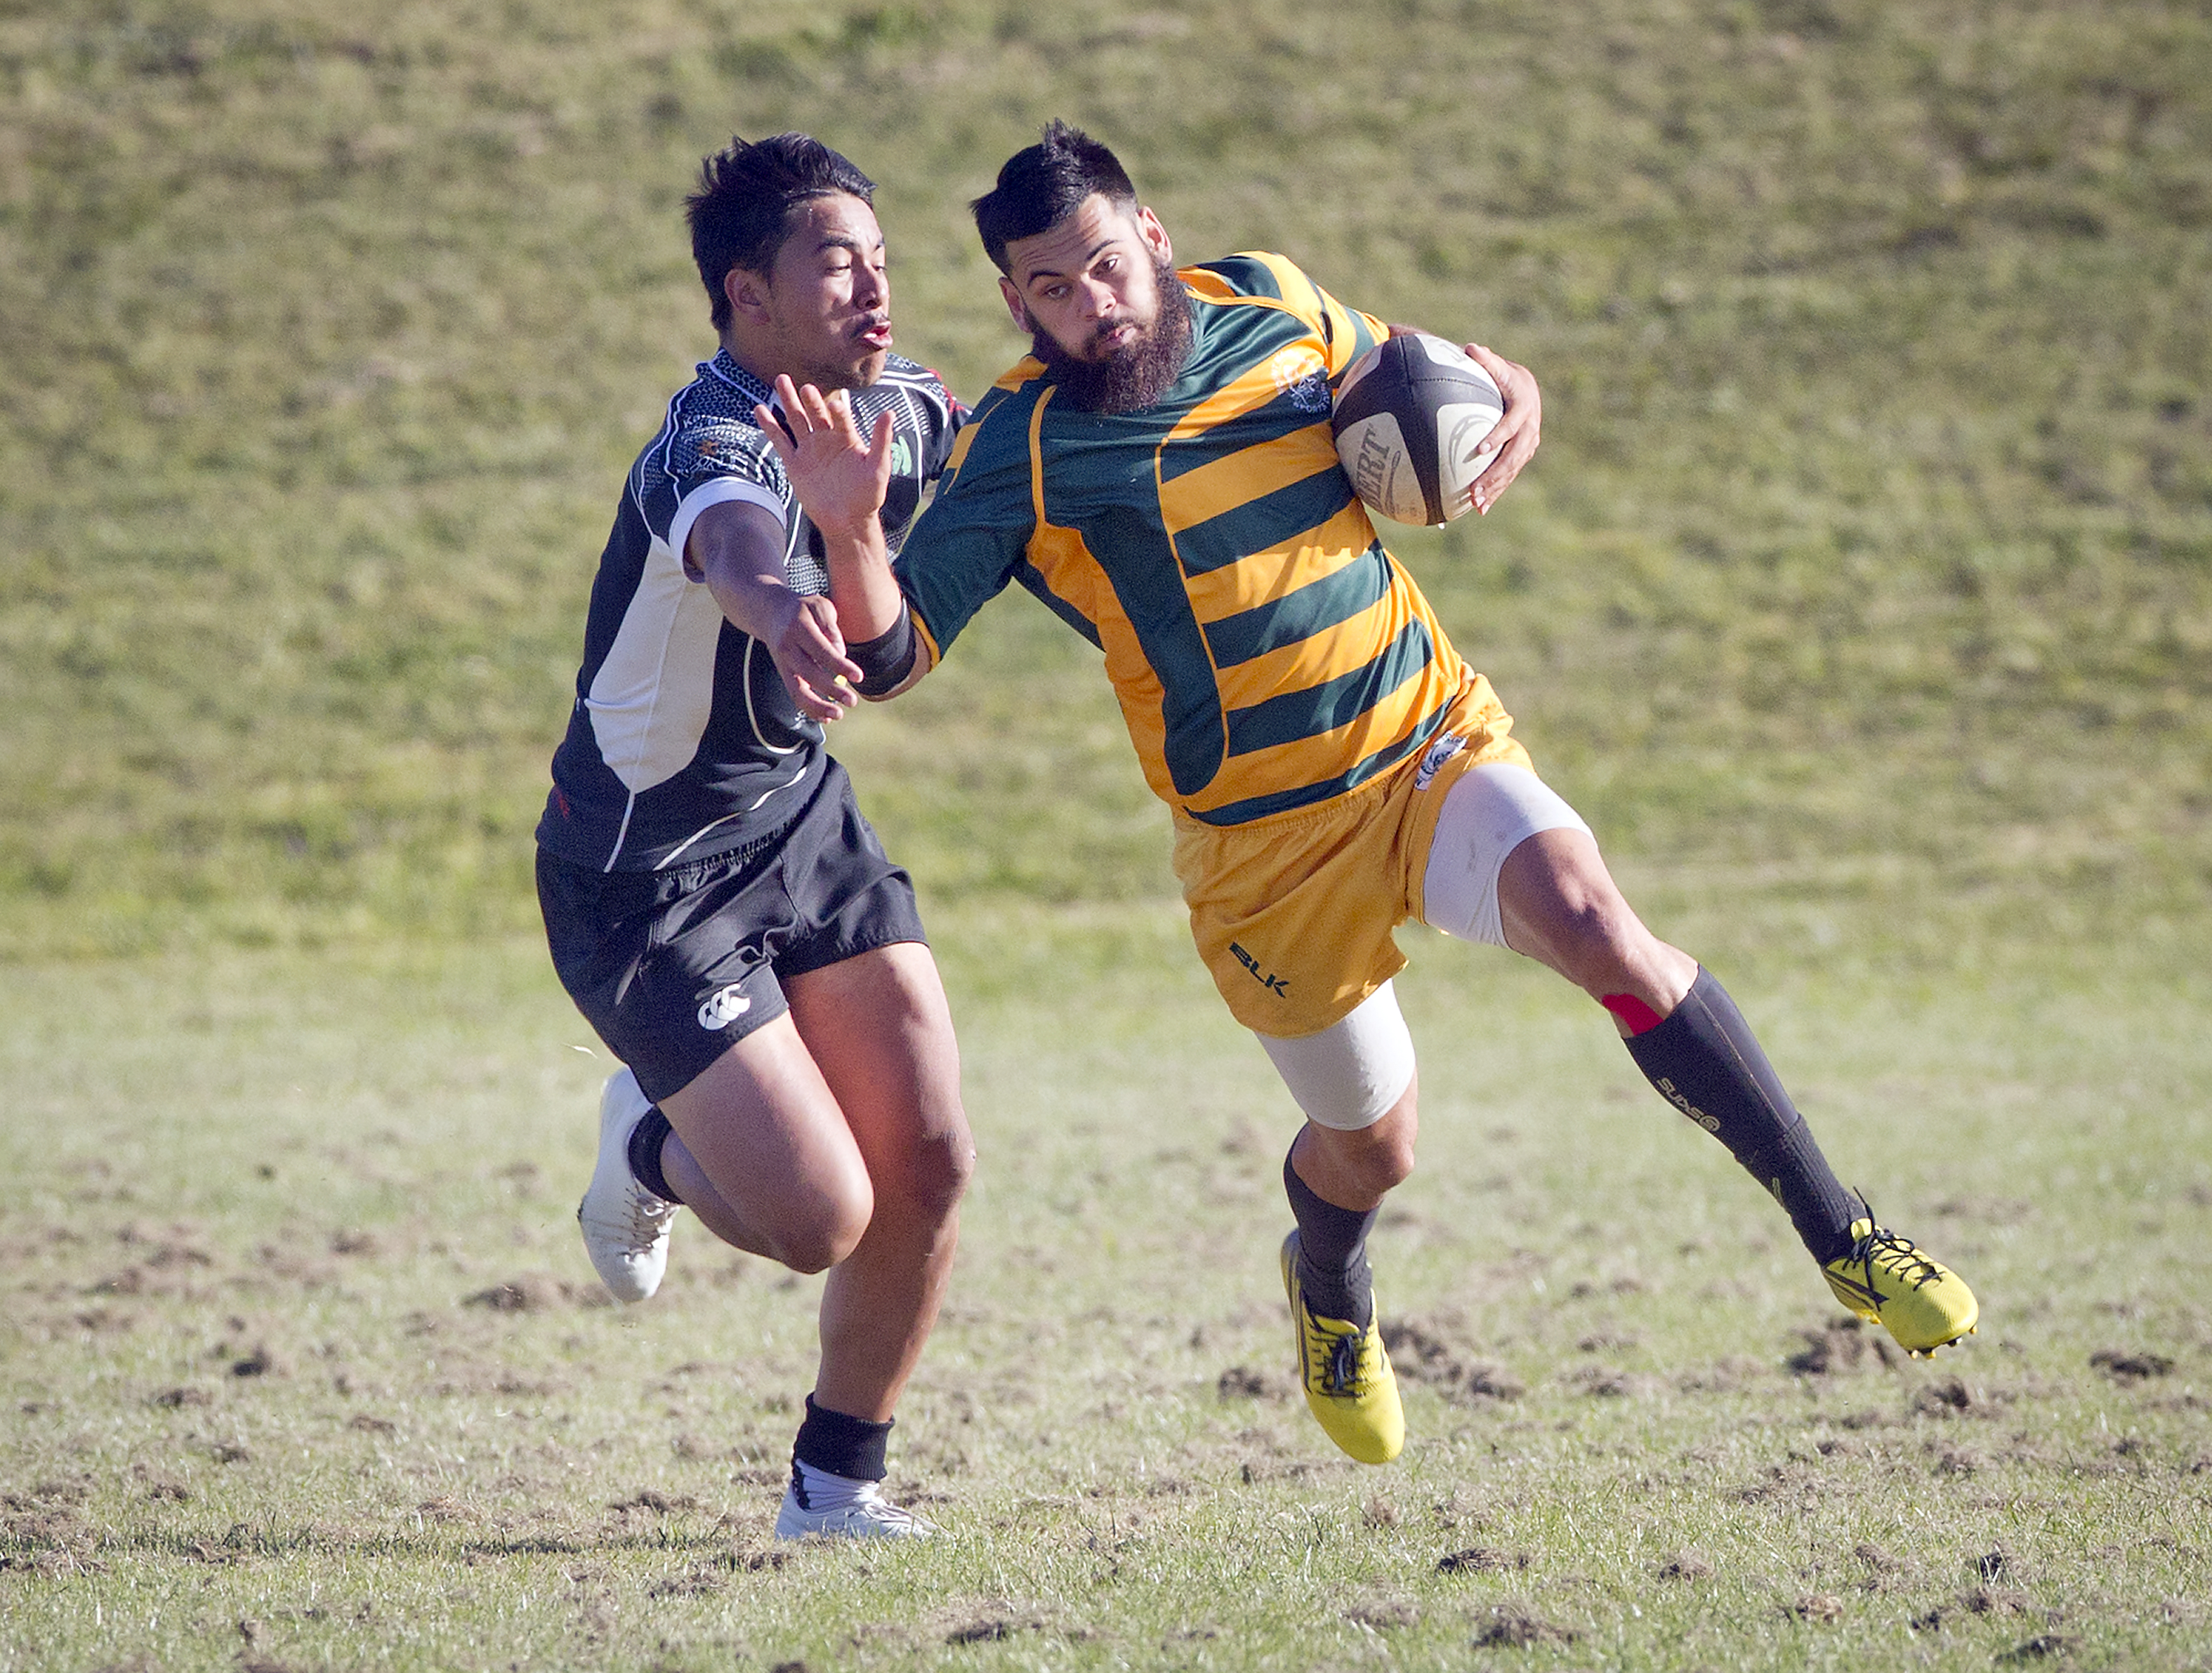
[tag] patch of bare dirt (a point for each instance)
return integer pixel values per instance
(1384, 1614)
(1242, 1382)
(2130, 1367)
(1515, 1626)
(535, 1292)
(1946, 1398)
(649, 1503)
(704, 1580)
(257, 1361)
(1421, 1353)
(1844, 1344)
(50, 1539)
(1981, 1600)
(1482, 1559)
(1721, 1377)
(1782, 1483)
(1883, 1569)
(1602, 1341)
(2043, 1647)
(987, 1629)
(1607, 1382)
(984, 1621)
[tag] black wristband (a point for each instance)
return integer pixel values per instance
(885, 661)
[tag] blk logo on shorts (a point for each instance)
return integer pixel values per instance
(1267, 979)
(724, 1009)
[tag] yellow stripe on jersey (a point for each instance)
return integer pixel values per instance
(1395, 713)
(1266, 577)
(1266, 652)
(1219, 487)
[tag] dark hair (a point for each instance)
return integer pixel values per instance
(741, 213)
(1041, 187)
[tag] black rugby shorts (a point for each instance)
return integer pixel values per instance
(673, 968)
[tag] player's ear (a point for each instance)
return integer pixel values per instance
(1155, 236)
(747, 292)
(1014, 302)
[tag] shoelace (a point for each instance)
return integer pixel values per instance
(647, 1215)
(1905, 1259)
(1343, 1374)
(868, 1505)
(1341, 1359)
(872, 1502)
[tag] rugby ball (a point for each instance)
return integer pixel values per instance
(1408, 418)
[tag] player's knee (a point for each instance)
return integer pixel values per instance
(1387, 1161)
(821, 1232)
(1374, 1158)
(1596, 939)
(943, 1165)
(817, 1249)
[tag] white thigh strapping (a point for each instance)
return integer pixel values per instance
(1491, 811)
(1348, 1075)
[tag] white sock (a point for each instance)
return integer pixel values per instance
(820, 1491)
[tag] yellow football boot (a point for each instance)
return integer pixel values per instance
(1350, 1387)
(1889, 1280)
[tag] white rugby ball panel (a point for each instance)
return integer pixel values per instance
(1373, 453)
(1409, 417)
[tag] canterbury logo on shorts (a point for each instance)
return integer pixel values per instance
(724, 1009)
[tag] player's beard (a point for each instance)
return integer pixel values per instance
(1137, 373)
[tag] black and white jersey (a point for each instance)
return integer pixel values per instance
(683, 743)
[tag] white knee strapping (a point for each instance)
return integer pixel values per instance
(1348, 1075)
(1491, 811)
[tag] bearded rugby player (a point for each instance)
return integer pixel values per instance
(1160, 471)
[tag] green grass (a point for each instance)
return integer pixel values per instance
(1873, 529)
(251, 1375)
(1862, 597)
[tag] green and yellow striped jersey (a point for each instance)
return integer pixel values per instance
(1268, 654)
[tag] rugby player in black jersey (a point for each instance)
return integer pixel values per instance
(715, 902)
(1161, 472)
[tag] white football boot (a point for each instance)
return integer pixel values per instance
(625, 1226)
(838, 1507)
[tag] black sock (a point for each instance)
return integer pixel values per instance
(645, 1142)
(1332, 1268)
(1705, 1062)
(849, 1446)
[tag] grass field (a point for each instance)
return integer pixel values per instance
(1862, 597)
(304, 1365)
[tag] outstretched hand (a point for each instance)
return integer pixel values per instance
(1517, 430)
(839, 478)
(808, 652)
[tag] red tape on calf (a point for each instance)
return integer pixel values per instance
(1638, 1017)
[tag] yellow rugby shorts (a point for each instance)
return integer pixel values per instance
(1293, 914)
